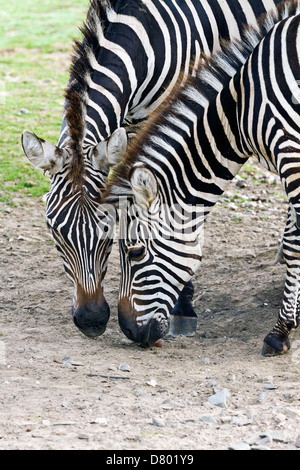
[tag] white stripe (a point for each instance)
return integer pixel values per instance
(140, 31)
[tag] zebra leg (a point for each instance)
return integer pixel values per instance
(183, 320)
(277, 341)
(280, 256)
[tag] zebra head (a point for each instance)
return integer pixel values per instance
(82, 227)
(160, 251)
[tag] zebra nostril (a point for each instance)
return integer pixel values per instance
(92, 319)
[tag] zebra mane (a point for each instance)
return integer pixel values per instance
(77, 90)
(212, 75)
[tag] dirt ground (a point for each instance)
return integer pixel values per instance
(61, 390)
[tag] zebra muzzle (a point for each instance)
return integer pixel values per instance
(146, 333)
(90, 314)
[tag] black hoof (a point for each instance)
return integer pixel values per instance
(183, 318)
(275, 346)
(182, 325)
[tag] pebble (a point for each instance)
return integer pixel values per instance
(45, 423)
(158, 422)
(275, 436)
(271, 387)
(208, 419)
(205, 360)
(231, 378)
(240, 421)
(124, 367)
(84, 437)
(263, 396)
(151, 383)
(239, 446)
(220, 398)
(101, 421)
(297, 444)
(31, 330)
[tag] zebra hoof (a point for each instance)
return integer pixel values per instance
(275, 346)
(181, 325)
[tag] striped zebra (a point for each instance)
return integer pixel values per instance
(242, 103)
(132, 55)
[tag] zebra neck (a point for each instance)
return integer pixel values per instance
(197, 151)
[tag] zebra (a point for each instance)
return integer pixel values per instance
(132, 55)
(239, 105)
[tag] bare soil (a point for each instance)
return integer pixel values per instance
(61, 390)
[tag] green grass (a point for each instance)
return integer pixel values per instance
(35, 45)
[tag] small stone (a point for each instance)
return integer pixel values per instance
(241, 184)
(67, 361)
(37, 358)
(280, 418)
(253, 439)
(158, 422)
(240, 421)
(263, 441)
(124, 367)
(232, 206)
(65, 404)
(205, 360)
(297, 444)
(101, 421)
(77, 364)
(231, 378)
(275, 436)
(219, 399)
(263, 396)
(271, 387)
(46, 423)
(208, 419)
(240, 446)
(212, 383)
(151, 383)
(24, 111)
(31, 330)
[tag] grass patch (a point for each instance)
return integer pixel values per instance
(35, 45)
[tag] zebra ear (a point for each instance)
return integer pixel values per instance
(42, 154)
(111, 151)
(144, 185)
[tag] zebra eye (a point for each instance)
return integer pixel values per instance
(136, 254)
